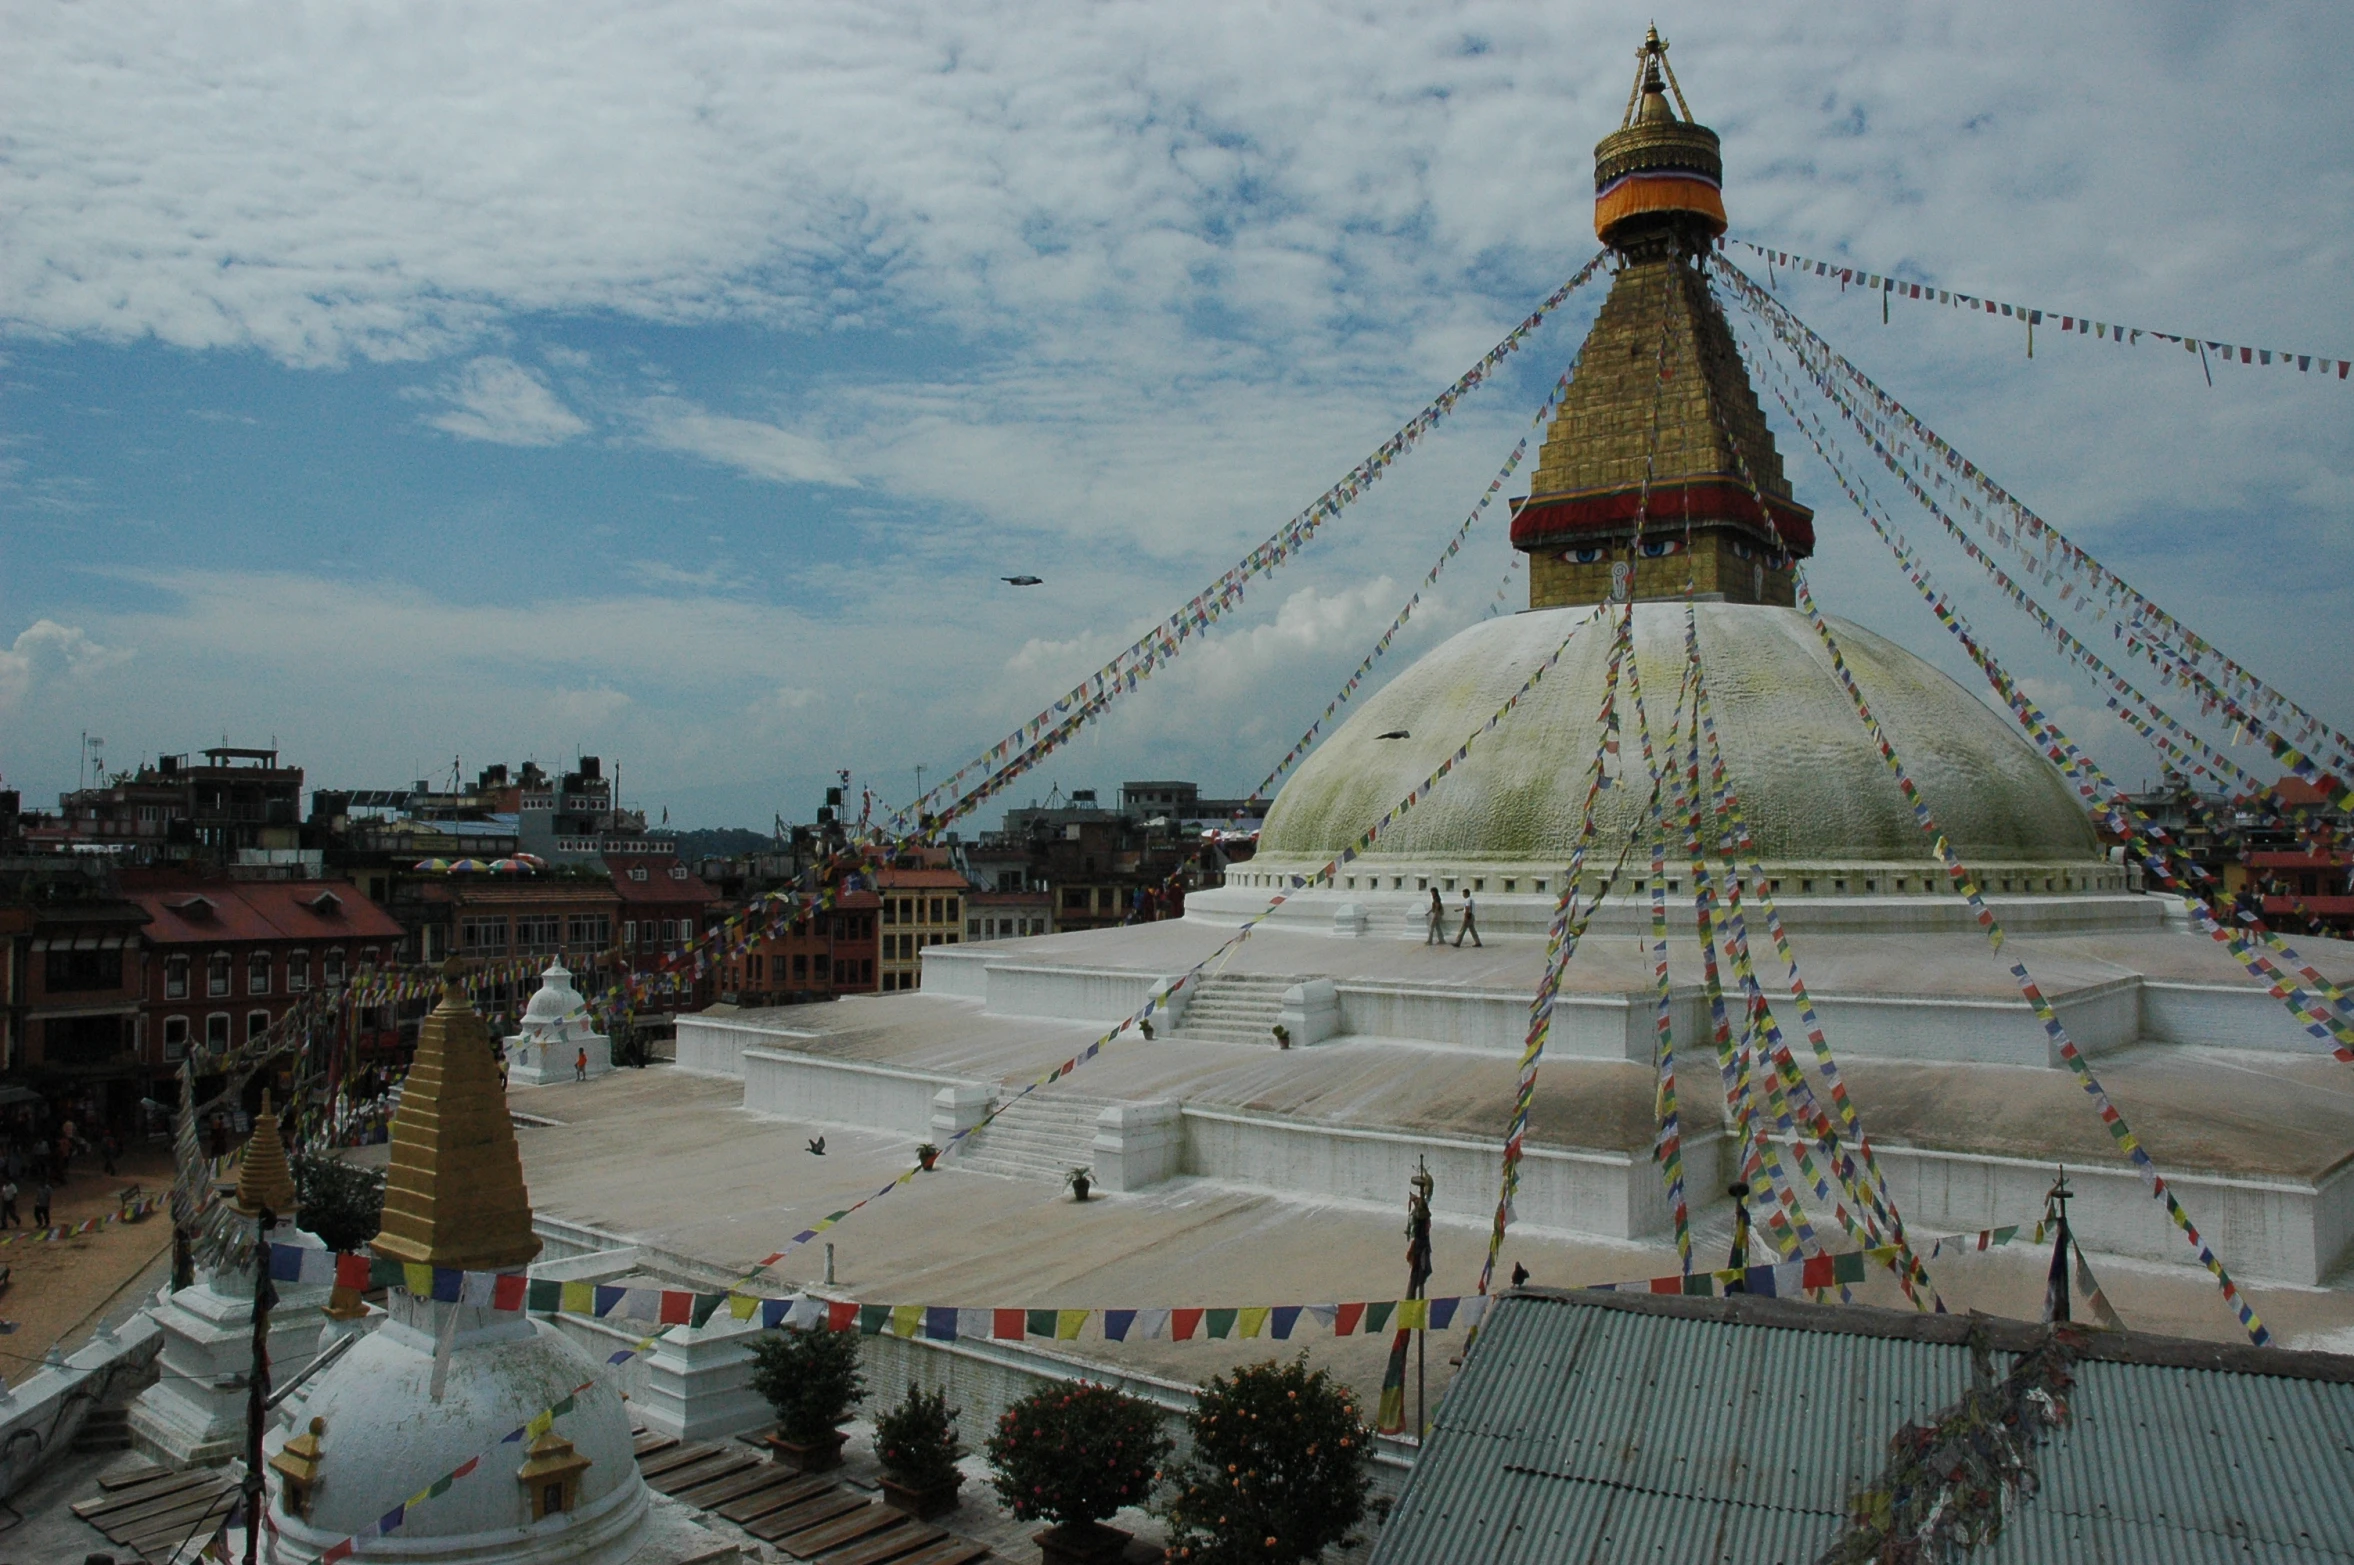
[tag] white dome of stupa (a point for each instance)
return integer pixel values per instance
(556, 999)
(1814, 789)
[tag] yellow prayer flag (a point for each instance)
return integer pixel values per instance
(1412, 1313)
(417, 1279)
(742, 1305)
(906, 1319)
(578, 1298)
(1067, 1324)
(1252, 1321)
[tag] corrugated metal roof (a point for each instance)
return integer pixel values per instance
(1733, 1431)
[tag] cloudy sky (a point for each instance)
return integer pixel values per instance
(401, 382)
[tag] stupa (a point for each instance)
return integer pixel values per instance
(195, 1413)
(556, 1032)
(441, 1383)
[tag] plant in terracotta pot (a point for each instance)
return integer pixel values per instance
(1282, 1036)
(1279, 1469)
(1081, 1180)
(1072, 1455)
(810, 1376)
(927, 1154)
(916, 1443)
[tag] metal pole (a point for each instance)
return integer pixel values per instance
(257, 1392)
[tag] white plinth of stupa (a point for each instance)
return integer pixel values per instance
(557, 1032)
(195, 1413)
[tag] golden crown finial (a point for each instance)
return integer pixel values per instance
(265, 1183)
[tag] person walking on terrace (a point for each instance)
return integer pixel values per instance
(1438, 920)
(1470, 924)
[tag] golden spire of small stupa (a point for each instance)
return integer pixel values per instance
(265, 1180)
(454, 1195)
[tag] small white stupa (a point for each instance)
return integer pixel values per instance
(557, 1032)
(195, 1413)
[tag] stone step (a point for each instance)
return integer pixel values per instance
(1044, 1136)
(104, 1429)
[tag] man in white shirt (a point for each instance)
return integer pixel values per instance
(1469, 928)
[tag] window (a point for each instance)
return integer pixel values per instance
(216, 974)
(800, 964)
(1075, 899)
(331, 971)
(538, 931)
(678, 872)
(638, 872)
(175, 981)
(257, 973)
(175, 1038)
(866, 970)
(257, 1026)
(216, 1032)
(588, 931)
(973, 928)
(890, 910)
(482, 936)
(754, 964)
(298, 971)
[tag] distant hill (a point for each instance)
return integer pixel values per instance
(721, 842)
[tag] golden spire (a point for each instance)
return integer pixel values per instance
(454, 1195)
(1659, 175)
(265, 1180)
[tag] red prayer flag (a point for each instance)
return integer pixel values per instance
(1344, 1323)
(1182, 1324)
(1820, 1271)
(351, 1271)
(677, 1308)
(839, 1316)
(509, 1291)
(1007, 1324)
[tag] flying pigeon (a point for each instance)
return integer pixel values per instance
(818, 1146)
(1395, 733)
(1024, 581)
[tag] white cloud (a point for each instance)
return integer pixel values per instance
(499, 400)
(752, 448)
(46, 650)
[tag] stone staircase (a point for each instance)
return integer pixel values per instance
(1044, 1136)
(1234, 1008)
(103, 1429)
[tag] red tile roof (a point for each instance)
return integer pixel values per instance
(659, 885)
(210, 912)
(921, 880)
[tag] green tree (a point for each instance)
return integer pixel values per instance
(916, 1440)
(1280, 1467)
(343, 1203)
(1074, 1454)
(811, 1377)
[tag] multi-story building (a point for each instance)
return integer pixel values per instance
(70, 981)
(238, 802)
(921, 907)
(1008, 915)
(818, 957)
(226, 959)
(663, 906)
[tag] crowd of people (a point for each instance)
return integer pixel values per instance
(38, 1151)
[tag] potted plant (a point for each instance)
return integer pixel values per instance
(1144, 1026)
(917, 1445)
(1282, 1036)
(1072, 1455)
(1081, 1180)
(927, 1154)
(810, 1376)
(1279, 1469)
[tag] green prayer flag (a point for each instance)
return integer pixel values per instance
(1377, 1315)
(873, 1319)
(1222, 1323)
(704, 1306)
(543, 1296)
(1848, 1267)
(1039, 1323)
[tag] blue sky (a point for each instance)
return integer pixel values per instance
(674, 382)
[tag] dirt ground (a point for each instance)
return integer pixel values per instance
(57, 1290)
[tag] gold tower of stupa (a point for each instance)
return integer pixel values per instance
(454, 1195)
(1659, 353)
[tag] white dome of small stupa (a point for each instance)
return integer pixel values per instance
(556, 999)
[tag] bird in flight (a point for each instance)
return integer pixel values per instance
(1395, 733)
(1024, 581)
(818, 1146)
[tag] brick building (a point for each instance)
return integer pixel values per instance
(71, 969)
(225, 959)
(663, 904)
(817, 958)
